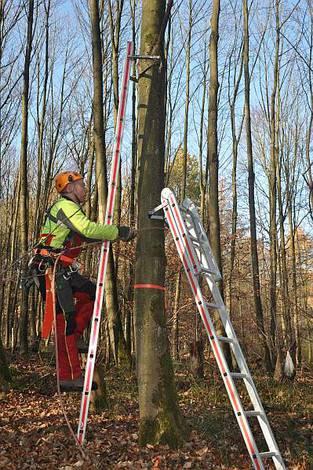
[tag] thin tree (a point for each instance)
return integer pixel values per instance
(175, 348)
(251, 183)
(23, 209)
(5, 375)
(101, 173)
(115, 32)
(235, 70)
(273, 191)
(287, 327)
(212, 153)
(41, 114)
(132, 208)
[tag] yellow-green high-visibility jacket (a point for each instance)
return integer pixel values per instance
(65, 219)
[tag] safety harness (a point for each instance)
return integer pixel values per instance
(42, 264)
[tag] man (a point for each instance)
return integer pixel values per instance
(66, 227)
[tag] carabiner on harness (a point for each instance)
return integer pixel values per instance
(43, 265)
(73, 268)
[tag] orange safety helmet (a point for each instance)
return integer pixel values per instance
(64, 178)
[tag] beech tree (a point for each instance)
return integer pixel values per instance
(251, 183)
(101, 171)
(160, 417)
(23, 175)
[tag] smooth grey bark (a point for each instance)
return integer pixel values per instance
(41, 123)
(251, 183)
(213, 160)
(101, 174)
(23, 208)
(132, 209)
(273, 191)
(214, 216)
(175, 331)
(160, 417)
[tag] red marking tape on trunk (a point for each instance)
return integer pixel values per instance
(149, 286)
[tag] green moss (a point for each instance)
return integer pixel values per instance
(168, 427)
(164, 429)
(147, 431)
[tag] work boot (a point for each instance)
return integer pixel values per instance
(82, 346)
(75, 385)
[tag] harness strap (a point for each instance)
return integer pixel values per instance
(48, 314)
(65, 260)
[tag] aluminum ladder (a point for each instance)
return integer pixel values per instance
(104, 255)
(195, 253)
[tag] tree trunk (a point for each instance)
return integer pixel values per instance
(214, 216)
(132, 210)
(101, 174)
(295, 288)
(23, 179)
(251, 182)
(187, 102)
(235, 145)
(213, 206)
(5, 375)
(273, 192)
(203, 178)
(284, 281)
(115, 28)
(99, 397)
(175, 351)
(160, 417)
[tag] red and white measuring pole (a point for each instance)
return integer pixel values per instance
(104, 255)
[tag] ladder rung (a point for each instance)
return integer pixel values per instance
(214, 306)
(211, 272)
(239, 375)
(194, 239)
(197, 239)
(267, 455)
(224, 339)
(254, 413)
(208, 271)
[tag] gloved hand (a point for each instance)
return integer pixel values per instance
(126, 233)
(70, 324)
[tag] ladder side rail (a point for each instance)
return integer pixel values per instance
(243, 366)
(104, 254)
(230, 332)
(193, 217)
(199, 249)
(203, 260)
(190, 250)
(194, 225)
(180, 235)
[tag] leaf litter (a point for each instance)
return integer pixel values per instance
(34, 435)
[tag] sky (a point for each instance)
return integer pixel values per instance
(70, 29)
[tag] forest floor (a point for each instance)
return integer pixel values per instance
(34, 435)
